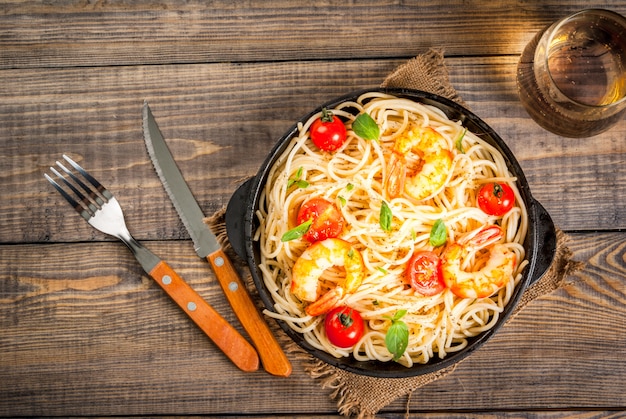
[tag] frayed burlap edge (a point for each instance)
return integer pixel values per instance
(555, 277)
(426, 72)
(362, 396)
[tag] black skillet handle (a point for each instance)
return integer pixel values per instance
(235, 218)
(545, 242)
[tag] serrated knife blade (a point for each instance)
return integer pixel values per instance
(177, 189)
(207, 247)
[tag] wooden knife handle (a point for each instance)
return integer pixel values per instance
(272, 356)
(227, 338)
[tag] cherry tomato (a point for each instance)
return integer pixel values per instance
(327, 219)
(424, 273)
(344, 326)
(496, 198)
(328, 132)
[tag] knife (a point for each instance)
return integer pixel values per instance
(207, 247)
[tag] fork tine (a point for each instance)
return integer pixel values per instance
(94, 196)
(83, 199)
(86, 213)
(101, 189)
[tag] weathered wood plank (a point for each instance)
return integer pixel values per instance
(212, 115)
(93, 324)
(84, 332)
(113, 335)
(72, 33)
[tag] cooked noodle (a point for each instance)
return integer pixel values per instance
(352, 178)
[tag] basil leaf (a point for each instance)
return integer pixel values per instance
(296, 180)
(397, 337)
(399, 314)
(438, 234)
(385, 217)
(365, 127)
(297, 232)
(459, 142)
(299, 183)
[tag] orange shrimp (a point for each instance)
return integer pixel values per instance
(432, 170)
(314, 261)
(494, 274)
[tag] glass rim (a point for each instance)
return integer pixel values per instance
(615, 17)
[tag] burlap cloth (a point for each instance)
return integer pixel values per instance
(363, 396)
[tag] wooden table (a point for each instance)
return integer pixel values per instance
(84, 332)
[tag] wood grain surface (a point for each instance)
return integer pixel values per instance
(85, 332)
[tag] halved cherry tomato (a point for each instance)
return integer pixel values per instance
(496, 198)
(328, 132)
(344, 326)
(424, 273)
(327, 221)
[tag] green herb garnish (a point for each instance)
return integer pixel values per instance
(397, 338)
(438, 234)
(385, 217)
(365, 127)
(297, 232)
(459, 142)
(297, 180)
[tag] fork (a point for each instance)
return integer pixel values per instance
(102, 211)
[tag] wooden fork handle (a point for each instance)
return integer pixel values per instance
(231, 342)
(272, 356)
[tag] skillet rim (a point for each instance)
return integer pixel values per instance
(537, 240)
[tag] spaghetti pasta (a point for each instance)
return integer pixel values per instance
(354, 178)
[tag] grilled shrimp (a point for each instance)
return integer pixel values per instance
(432, 169)
(494, 274)
(314, 261)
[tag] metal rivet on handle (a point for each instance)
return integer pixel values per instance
(233, 286)
(191, 306)
(166, 279)
(219, 261)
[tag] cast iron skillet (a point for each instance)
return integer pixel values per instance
(540, 243)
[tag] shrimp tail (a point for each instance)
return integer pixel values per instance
(326, 302)
(396, 177)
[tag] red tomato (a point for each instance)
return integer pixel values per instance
(344, 326)
(328, 132)
(424, 273)
(327, 219)
(496, 198)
